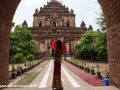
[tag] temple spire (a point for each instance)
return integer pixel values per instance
(25, 24)
(53, 0)
(90, 27)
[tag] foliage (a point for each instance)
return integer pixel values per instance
(100, 45)
(85, 45)
(18, 58)
(101, 21)
(13, 24)
(101, 42)
(30, 57)
(92, 43)
(21, 41)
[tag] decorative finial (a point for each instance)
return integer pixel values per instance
(72, 11)
(36, 11)
(83, 24)
(90, 27)
(53, 0)
(25, 24)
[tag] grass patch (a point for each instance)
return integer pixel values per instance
(29, 77)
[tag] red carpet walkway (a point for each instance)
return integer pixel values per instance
(83, 75)
(44, 63)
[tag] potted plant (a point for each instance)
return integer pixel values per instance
(78, 64)
(88, 69)
(12, 53)
(92, 71)
(19, 59)
(107, 74)
(99, 75)
(30, 59)
(18, 71)
(25, 69)
(85, 67)
(28, 68)
(13, 73)
(98, 72)
(22, 71)
(82, 66)
(13, 69)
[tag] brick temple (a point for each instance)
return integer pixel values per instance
(55, 21)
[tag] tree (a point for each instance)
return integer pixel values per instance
(18, 58)
(30, 58)
(101, 21)
(100, 44)
(92, 43)
(85, 45)
(13, 24)
(21, 41)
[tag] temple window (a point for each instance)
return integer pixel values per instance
(68, 24)
(40, 24)
(54, 24)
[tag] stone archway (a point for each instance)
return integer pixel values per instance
(7, 10)
(112, 16)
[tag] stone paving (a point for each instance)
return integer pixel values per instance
(38, 68)
(73, 88)
(65, 80)
(85, 76)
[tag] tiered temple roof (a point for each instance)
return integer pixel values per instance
(54, 20)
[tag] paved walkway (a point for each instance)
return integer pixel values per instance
(38, 69)
(70, 81)
(85, 76)
(73, 88)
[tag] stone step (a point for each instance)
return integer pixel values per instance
(73, 88)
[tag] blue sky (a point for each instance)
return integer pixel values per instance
(85, 10)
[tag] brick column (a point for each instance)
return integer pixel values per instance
(7, 10)
(4, 54)
(111, 11)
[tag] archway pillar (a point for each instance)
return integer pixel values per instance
(7, 10)
(111, 10)
(113, 45)
(4, 54)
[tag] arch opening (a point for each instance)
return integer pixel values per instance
(112, 16)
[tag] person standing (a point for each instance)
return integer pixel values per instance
(58, 48)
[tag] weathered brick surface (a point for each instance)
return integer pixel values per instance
(112, 15)
(111, 9)
(4, 46)
(7, 10)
